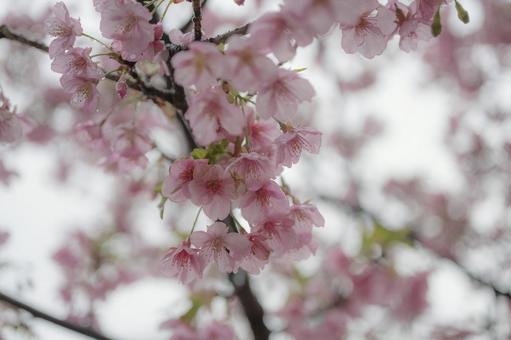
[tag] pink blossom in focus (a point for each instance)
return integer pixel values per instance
(261, 133)
(64, 28)
(176, 184)
(365, 31)
(127, 23)
(269, 198)
(201, 65)
(212, 189)
(210, 113)
(76, 62)
(306, 216)
(253, 168)
(279, 231)
(219, 246)
(84, 94)
(184, 262)
(280, 96)
(291, 144)
(259, 253)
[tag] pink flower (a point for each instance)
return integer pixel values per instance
(259, 254)
(10, 125)
(76, 62)
(411, 28)
(176, 184)
(201, 65)
(306, 216)
(248, 67)
(216, 331)
(90, 134)
(84, 94)
(280, 96)
(271, 33)
(210, 114)
(64, 28)
(261, 133)
(278, 229)
(254, 169)
(221, 247)
(291, 144)
(155, 46)
(412, 297)
(179, 38)
(184, 262)
(269, 198)
(127, 23)
(213, 190)
(364, 31)
(311, 17)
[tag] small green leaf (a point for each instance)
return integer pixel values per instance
(462, 13)
(384, 237)
(199, 153)
(161, 206)
(436, 27)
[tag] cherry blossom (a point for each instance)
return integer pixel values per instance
(76, 62)
(254, 169)
(64, 28)
(212, 189)
(210, 114)
(221, 247)
(365, 31)
(256, 205)
(291, 144)
(184, 262)
(127, 23)
(248, 67)
(201, 65)
(280, 96)
(271, 33)
(176, 184)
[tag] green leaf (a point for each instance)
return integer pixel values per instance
(384, 237)
(199, 153)
(161, 206)
(462, 13)
(436, 27)
(197, 303)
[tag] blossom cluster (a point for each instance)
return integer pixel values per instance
(366, 25)
(241, 109)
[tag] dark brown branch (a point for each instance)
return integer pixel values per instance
(188, 25)
(44, 316)
(253, 309)
(221, 38)
(197, 19)
(7, 34)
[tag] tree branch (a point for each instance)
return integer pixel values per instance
(357, 209)
(221, 38)
(44, 316)
(186, 27)
(7, 34)
(197, 18)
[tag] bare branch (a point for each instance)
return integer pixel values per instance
(7, 34)
(44, 316)
(221, 38)
(197, 18)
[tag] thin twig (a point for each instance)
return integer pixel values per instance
(197, 18)
(7, 34)
(188, 25)
(42, 315)
(221, 38)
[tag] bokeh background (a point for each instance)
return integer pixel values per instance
(421, 140)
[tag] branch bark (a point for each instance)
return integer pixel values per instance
(44, 316)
